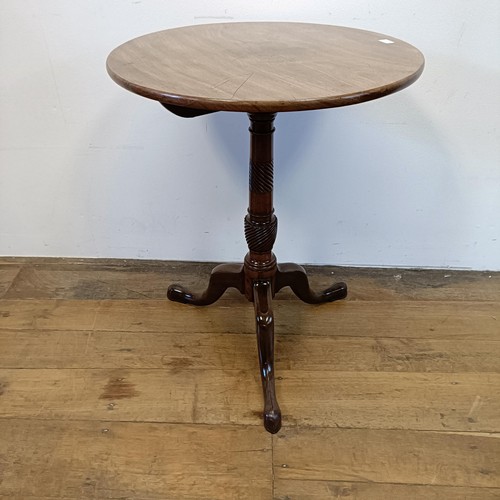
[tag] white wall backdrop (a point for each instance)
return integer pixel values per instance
(88, 169)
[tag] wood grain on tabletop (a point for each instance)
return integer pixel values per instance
(264, 66)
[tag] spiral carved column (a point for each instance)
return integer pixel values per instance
(261, 224)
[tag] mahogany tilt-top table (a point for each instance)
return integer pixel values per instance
(262, 69)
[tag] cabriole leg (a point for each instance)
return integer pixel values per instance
(262, 294)
(295, 277)
(223, 277)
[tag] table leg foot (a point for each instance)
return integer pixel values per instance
(295, 277)
(223, 277)
(265, 343)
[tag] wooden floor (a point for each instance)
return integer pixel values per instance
(107, 390)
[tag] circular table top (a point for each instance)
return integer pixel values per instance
(264, 66)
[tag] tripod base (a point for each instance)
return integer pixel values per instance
(236, 276)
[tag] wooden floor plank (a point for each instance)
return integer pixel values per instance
(83, 459)
(410, 319)
(108, 349)
(134, 279)
(393, 285)
(381, 400)
(84, 282)
(460, 402)
(8, 273)
(360, 354)
(186, 396)
(383, 456)
(335, 490)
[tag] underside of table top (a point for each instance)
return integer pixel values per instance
(265, 66)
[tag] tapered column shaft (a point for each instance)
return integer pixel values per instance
(260, 223)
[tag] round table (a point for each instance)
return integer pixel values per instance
(262, 68)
